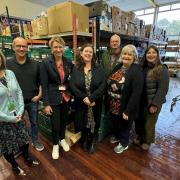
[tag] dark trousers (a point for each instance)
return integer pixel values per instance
(115, 119)
(59, 119)
(124, 130)
(150, 121)
(10, 157)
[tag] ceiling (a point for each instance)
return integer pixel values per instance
(126, 5)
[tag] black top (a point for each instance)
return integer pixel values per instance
(97, 87)
(28, 76)
(132, 90)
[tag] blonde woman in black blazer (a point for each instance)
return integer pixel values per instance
(55, 73)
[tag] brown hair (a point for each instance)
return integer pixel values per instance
(3, 61)
(80, 63)
(58, 39)
(157, 66)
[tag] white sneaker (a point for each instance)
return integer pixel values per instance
(55, 152)
(64, 145)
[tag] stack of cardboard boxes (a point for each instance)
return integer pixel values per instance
(101, 10)
(60, 19)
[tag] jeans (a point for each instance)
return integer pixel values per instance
(32, 109)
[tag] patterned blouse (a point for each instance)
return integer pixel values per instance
(90, 116)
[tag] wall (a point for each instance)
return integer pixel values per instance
(21, 8)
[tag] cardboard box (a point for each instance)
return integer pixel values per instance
(105, 23)
(116, 19)
(60, 17)
(40, 26)
(71, 138)
(99, 8)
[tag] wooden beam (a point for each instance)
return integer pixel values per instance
(152, 3)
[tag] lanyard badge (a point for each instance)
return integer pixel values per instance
(11, 107)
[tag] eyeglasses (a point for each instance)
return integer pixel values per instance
(21, 46)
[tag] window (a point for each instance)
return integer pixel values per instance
(170, 21)
(146, 14)
(164, 8)
(147, 18)
(175, 6)
(139, 12)
(149, 11)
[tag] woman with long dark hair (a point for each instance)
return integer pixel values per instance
(156, 85)
(88, 84)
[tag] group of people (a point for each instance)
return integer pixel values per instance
(132, 92)
(136, 90)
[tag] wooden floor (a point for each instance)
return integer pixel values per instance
(161, 162)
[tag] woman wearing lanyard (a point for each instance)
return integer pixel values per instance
(55, 72)
(13, 132)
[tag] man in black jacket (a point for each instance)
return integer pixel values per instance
(27, 74)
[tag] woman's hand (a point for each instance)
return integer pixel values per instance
(153, 109)
(48, 110)
(125, 117)
(18, 118)
(35, 99)
(87, 101)
(92, 104)
(114, 87)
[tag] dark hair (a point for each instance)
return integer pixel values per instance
(154, 73)
(79, 62)
(144, 61)
(3, 61)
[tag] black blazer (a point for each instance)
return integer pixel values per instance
(132, 90)
(50, 80)
(97, 87)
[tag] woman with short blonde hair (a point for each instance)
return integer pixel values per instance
(124, 88)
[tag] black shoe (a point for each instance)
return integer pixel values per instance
(32, 161)
(19, 171)
(92, 148)
(85, 146)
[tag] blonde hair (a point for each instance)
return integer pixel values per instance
(58, 39)
(3, 59)
(134, 51)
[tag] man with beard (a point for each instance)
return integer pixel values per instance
(111, 57)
